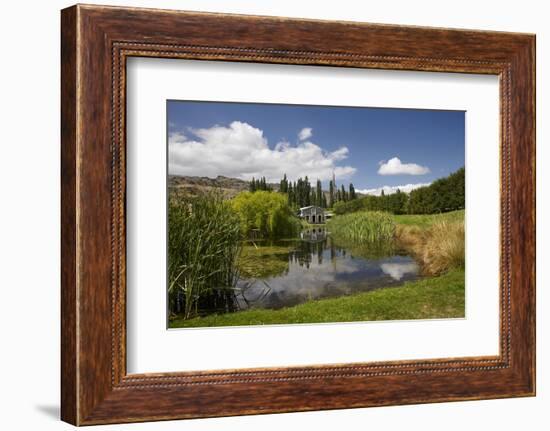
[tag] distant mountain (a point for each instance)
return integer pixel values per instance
(230, 187)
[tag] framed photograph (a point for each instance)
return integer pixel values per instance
(267, 215)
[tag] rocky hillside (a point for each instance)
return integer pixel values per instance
(230, 187)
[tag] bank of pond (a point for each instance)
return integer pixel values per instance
(251, 261)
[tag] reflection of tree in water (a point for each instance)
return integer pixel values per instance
(262, 262)
(264, 259)
(314, 242)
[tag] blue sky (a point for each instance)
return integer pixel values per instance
(370, 147)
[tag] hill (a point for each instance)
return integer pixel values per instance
(230, 187)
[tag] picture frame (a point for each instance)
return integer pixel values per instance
(96, 42)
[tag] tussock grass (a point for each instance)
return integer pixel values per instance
(438, 248)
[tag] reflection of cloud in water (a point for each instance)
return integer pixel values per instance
(325, 272)
(398, 270)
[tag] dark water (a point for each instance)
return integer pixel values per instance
(291, 272)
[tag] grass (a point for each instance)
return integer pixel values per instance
(436, 241)
(426, 220)
(435, 297)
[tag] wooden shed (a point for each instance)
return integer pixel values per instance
(313, 214)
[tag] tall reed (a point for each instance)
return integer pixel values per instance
(203, 247)
(368, 233)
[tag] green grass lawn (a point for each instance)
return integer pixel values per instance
(426, 220)
(436, 297)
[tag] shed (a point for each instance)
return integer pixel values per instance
(313, 214)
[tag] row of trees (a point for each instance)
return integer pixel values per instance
(259, 184)
(395, 203)
(443, 195)
(340, 194)
(302, 193)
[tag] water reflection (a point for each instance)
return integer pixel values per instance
(315, 268)
(397, 270)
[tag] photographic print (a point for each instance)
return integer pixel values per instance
(293, 214)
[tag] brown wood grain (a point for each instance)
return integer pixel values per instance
(69, 367)
(96, 41)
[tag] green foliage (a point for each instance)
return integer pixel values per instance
(367, 233)
(443, 195)
(265, 212)
(283, 186)
(429, 298)
(259, 184)
(301, 193)
(366, 226)
(394, 203)
(203, 246)
(348, 207)
(352, 194)
(331, 194)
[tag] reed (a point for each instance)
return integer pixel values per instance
(366, 233)
(363, 227)
(203, 247)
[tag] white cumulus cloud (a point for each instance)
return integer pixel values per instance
(394, 166)
(388, 190)
(240, 150)
(177, 138)
(305, 133)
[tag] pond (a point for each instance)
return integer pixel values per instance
(283, 273)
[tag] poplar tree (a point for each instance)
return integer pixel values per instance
(352, 194)
(319, 194)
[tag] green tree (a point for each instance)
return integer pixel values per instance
(266, 212)
(344, 194)
(319, 194)
(352, 194)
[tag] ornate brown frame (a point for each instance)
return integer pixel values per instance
(95, 43)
